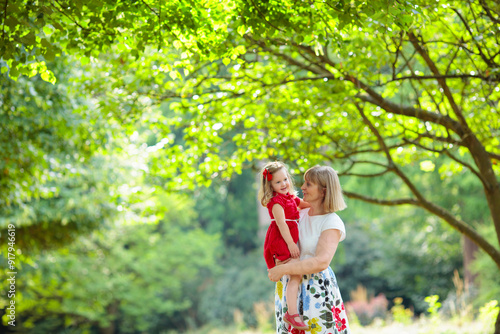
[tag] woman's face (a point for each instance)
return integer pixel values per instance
(312, 192)
(280, 182)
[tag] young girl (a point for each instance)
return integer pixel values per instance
(278, 195)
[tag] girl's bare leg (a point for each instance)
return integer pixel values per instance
(292, 291)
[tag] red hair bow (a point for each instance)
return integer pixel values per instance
(267, 175)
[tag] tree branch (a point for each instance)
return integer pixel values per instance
(469, 30)
(264, 17)
(488, 12)
(448, 153)
(71, 18)
(365, 175)
(395, 202)
(444, 76)
(4, 19)
(376, 99)
(457, 224)
(442, 82)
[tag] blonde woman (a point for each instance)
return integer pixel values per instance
(320, 231)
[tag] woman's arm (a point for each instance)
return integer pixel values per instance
(327, 246)
(279, 215)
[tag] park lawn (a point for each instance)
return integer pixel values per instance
(420, 326)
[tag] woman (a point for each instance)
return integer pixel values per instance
(320, 231)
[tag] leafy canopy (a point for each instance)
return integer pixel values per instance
(37, 32)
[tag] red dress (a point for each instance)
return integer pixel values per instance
(275, 246)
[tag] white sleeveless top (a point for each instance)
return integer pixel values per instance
(311, 227)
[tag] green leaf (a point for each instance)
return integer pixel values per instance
(427, 166)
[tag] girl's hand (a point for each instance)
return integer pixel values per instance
(275, 273)
(294, 250)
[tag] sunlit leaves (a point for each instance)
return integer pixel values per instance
(45, 30)
(138, 269)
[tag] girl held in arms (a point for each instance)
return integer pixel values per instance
(277, 193)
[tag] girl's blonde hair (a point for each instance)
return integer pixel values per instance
(266, 190)
(327, 179)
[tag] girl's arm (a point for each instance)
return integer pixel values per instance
(303, 204)
(327, 246)
(279, 215)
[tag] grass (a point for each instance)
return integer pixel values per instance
(419, 326)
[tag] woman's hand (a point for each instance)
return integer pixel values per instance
(275, 273)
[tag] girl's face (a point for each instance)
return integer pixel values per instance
(280, 182)
(312, 192)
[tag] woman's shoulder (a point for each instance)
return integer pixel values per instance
(332, 217)
(333, 221)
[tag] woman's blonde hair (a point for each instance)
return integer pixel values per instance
(266, 190)
(327, 179)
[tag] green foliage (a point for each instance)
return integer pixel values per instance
(381, 105)
(38, 32)
(187, 95)
(230, 208)
(434, 305)
(488, 274)
(400, 314)
(241, 284)
(400, 251)
(81, 203)
(134, 274)
(488, 315)
(41, 137)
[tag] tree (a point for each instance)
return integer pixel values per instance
(387, 98)
(133, 274)
(340, 84)
(230, 208)
(36, 32)
(396, 99)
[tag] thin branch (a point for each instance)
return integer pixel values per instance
(374, 130)
(150, 8)
(457, 224)
(159, 26)
(444, 76)
(463, 163)
(365, 175)
(417, 91)
(68, 16)
(432, 66)
(376, 99)
(488, 12)
(286, 57)
(448, 153)
(394, 202)
(469, 30)
(451, 61)
(4, 19)
(392, 166)
(264, 17)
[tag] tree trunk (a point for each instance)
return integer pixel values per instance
(497, 325)
(112, 310)
(469, 255)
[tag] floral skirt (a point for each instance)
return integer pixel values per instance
(319, 302)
